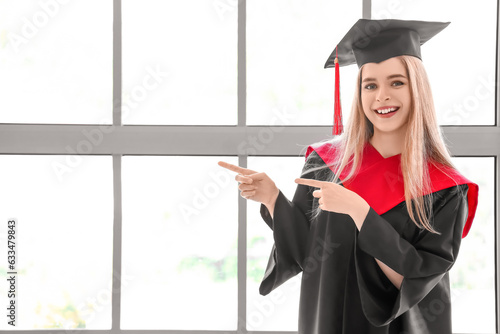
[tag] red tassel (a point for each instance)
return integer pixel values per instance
(337, 120)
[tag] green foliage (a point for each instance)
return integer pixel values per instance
(220, 270)
(223, 269)
(60, 316)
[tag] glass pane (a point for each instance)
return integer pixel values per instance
(56, 67)
(64, 240)
(288, 43)
(278, 310)
(180, 225)
(463, 87)
(473, 275)
(179, 62)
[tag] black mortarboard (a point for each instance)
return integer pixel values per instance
(373, 41)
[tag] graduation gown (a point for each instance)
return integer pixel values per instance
(343, 289)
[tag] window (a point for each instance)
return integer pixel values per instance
(56, 67)
(113, 118)
(180, 243)
(63, 242)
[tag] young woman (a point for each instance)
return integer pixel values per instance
(378, 216)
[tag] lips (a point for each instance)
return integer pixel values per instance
(386, 110)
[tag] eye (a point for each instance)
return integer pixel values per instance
(370, 86)
(398, 83)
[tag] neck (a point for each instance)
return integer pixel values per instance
(388, 144)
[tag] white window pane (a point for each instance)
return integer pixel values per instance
(180, 226)
(473, 275)
(56, 67)
(277, 311)
(288, 44)
(191, 46)
(64, 240)
(463, 81)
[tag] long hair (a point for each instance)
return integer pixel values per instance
(423, 143)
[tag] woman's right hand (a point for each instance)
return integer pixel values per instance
(253, 185)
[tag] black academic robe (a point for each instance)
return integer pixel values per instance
(343, 289)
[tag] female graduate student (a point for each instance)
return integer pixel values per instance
(378, 216)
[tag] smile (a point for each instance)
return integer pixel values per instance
(386, 111)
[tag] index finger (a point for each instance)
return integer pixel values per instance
(310, 182)
(237, 169)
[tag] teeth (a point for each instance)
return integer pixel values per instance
(385, 111)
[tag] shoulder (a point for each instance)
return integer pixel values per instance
(316, 167)
(456, 194)
(443, 176)
(449, 213)
(324, 148)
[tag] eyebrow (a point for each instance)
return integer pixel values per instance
(389, 77)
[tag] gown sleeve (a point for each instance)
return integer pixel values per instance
(290, 227)
(422, 263)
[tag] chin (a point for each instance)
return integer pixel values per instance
(387, 128)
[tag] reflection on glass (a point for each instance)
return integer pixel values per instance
(473, 275)
(179, 62)
(64, 240)
(180, 227)
(56, 67)
(277, 311)
(288, 44)
(464, 94)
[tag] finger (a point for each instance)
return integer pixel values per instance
(247, 193)
(317, 193)
(243, 179)
(257, 176)
(311, 183)
(237, 169)
(245, 186)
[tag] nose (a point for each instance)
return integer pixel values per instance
(382, 94)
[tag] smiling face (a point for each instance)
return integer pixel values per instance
(385, 96)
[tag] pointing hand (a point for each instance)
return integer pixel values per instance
(254, 185)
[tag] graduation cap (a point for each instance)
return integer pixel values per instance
(373, 41)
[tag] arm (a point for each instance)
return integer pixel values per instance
(423, 261)
(359, 214)
(336, 198)
(290, 224)
(395, 278)
(270, 206)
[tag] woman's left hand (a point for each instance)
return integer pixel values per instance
(336, 198)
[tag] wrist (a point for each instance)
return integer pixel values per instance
(270, 203)
(359, 212)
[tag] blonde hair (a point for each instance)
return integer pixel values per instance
(423, 143)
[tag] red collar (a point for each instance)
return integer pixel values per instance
(378, 173)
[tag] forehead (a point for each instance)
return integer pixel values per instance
(384, 68)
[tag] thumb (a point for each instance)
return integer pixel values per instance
(258, 176)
